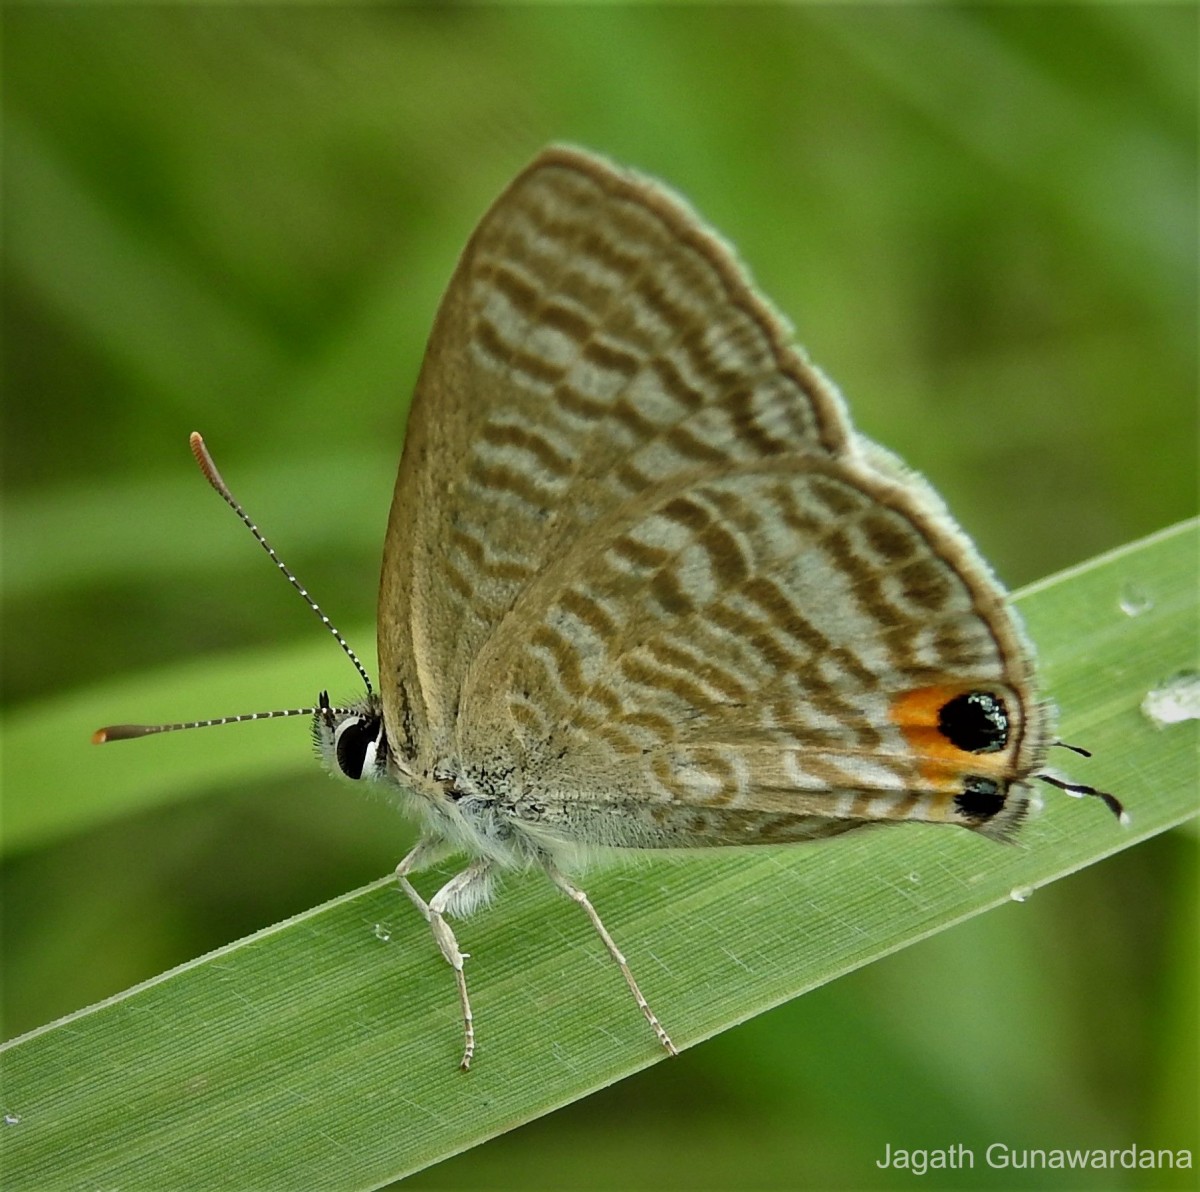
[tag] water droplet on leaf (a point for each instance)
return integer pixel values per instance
(1174, 700)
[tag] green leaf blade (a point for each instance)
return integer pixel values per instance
(323, 1051)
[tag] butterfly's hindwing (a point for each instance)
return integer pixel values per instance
(752, 643)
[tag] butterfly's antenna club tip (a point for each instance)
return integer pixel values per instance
(130, 732)
(209, 468)
(200, 451)
(125, 732)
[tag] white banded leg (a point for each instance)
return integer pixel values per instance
(453, 893)
(574, 893)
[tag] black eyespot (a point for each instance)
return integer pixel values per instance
(981, 798)
(976, 722)
(354, 738)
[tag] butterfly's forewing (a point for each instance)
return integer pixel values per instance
(637, 555)
(594, 338)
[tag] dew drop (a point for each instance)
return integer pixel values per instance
(915, 878)
(11, 1119)
(1134, 600)
(1174, 700)
(1020, 893)
(382, 933)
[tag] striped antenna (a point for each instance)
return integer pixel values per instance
(209, 468)
(128, 732)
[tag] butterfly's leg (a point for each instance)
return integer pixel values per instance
(461, 891)
(574, 893)
(425, 853)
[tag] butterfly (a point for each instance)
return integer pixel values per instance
(644, 586)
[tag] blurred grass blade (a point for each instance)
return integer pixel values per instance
(91, 787)
(169, 524)
(323, 1052)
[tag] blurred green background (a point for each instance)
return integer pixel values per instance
(982, 221)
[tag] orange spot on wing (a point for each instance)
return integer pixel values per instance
(940, 762)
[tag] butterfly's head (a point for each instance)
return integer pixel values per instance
(351, 741)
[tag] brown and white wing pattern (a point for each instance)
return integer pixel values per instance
(639, 561)
(765, 653)
(595, 338)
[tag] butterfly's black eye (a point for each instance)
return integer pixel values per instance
(976, 722)
(981, 798)
(355, 744)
